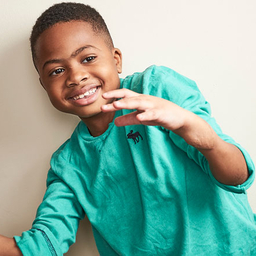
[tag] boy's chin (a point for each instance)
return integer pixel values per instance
(83, 112)
(90, 115)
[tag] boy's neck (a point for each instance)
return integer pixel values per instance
(98, 124)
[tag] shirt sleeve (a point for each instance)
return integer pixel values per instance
(184, 92)
(55, 227)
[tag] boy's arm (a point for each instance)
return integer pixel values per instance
(8, 247)
(226, 161)
(56, 223)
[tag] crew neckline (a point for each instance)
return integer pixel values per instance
(85, 134)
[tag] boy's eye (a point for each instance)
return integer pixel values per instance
(57, 71)
(88, 59)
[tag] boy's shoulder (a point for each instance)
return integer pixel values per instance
(157, 71)
(151, 71)
(156, 75)
(163, 82)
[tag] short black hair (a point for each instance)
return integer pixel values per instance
(67, 12)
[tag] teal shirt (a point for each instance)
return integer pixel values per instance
(143, 188)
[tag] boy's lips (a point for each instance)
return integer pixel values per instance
(84, 96)
(83, 92)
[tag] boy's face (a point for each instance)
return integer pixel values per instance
(76, 66)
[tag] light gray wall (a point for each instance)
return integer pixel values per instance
(211, 42)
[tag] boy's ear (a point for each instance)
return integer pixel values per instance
(118, 59)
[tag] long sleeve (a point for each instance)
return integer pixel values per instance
(55, 226)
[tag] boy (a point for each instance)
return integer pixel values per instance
(147, 163)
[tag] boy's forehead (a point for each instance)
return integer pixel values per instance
(67, 31)
(66, 37)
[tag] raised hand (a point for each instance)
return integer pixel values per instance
(149, 110)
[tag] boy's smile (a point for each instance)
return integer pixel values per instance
(76, 66)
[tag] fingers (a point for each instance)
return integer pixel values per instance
(126, 103)
(108, 108)
(120, 93)
(147, 109)
(115, 95)
(136, 117)
(129, 119)
(133, 101)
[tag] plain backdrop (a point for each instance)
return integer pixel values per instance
(211, 42)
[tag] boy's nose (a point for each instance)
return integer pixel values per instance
(76, 77)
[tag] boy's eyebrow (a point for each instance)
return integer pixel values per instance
(51, 61)
(74, 54)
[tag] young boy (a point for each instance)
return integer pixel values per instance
(147, 163)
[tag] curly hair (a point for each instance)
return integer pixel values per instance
(66, 12)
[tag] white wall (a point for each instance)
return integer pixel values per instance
(212, 42)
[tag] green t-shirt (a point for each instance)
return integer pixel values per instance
(143, 188)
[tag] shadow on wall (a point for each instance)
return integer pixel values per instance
(31, 130)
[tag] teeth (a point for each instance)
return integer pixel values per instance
(85, 94)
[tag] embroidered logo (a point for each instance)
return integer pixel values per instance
(135, 136)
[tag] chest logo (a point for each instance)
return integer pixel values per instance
(136, 136)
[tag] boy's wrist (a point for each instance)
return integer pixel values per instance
(8, 247)
(197, 133)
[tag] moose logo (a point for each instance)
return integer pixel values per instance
(135, 136)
